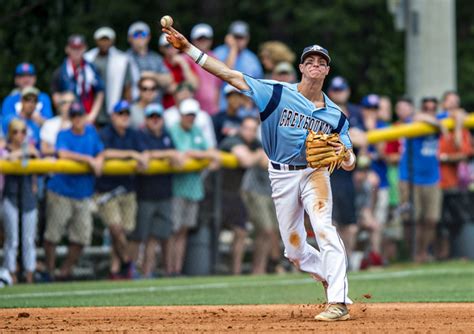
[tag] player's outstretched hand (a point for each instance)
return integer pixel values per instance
(176, 39)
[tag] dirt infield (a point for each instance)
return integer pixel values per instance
(389, 318)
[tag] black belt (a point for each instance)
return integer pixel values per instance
(277, 166)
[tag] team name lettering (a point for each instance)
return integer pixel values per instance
(294, 119)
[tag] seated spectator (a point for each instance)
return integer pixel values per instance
(79, 76)
(284, 72)
(227, 122)
(116, 197)
(114, 69)
(68, 207)
(188, 188)
(50, 129)
(272, 53)
(25, 76)
(208, 90)
(145, 61)
(18, 149)
(154, 194)
(182, 68)
(203, 121)
(29, 100)
(148, 87)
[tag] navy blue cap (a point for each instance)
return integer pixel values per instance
(76, 109)
(338, 83)
(121, 105)
(370, 101)
(315, 49)
(154, 109)
(25, 69)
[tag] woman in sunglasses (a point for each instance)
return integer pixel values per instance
(19, 149)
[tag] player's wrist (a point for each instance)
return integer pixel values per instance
(349, 160)
(197, 55)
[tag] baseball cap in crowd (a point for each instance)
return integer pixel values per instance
(154, 109)
(284, 67)
(162, 41)
(229, 89)
(76, 41)
(189, 106)
(104, 32)
(370, 101)
(239, 28)
(25, 69)
(338, 84)
(137, 27)
(76, 109)
(202, 30)
(315, 49)
(121, 106)
(30, 91)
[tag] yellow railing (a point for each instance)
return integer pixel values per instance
(120, 167)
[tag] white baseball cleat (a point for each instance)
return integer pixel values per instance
(334, 312)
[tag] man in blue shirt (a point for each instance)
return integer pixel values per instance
(288, 112)
(69, 196)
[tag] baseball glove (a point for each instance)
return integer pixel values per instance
(321, 150)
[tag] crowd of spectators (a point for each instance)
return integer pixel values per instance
(140, 105)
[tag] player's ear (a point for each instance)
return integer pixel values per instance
(301, 66)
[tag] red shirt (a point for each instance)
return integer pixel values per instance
(178, 77)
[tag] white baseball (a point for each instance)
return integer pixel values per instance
(166, 21)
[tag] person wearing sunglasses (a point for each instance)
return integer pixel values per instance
(18, 148)
(145, 61)
(148, 87)
(115, 195)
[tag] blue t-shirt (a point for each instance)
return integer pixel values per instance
(287, 116)
(88, 143)
(154, 187)
(112, 140)
(425, 160)
(43, 106)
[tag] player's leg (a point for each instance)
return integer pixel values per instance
(289, 210)
(317, 200)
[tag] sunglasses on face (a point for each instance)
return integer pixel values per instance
(154, 116)
(17, 131)
(123, 113)
(148, 89)
(140, 34)
(63, 102)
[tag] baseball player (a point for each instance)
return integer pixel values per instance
(289, 114)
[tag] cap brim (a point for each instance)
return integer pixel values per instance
(322, 54)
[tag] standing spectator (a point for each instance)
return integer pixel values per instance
(143, 60)
(79, 76)
(154, 193)
(188, 189)
(69, 196)
(234, 54)
(208, 90)
(182, 68)
(114, 69)
(148, 87)
(116, 195)
(227, 123)
(272, 53)
(18, 149)
(284, 72)
(203, 121)
(25, 76)
(51, 128)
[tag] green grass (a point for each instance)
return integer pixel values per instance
(446, 282)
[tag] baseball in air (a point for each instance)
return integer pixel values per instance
(166, 21)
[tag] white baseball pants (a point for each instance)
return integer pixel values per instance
(309, 190)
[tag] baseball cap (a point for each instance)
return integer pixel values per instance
(25, 69)
(370, 101)
(317, 50)
(121, 105)
(30, 91)
(153, 109)
(338, 83)
(76, 109)
(239, 28)
(162, 41)
(229, 89)
(284, 67)
(202, 30)
(189, 106)
(76, 41)
(138, 26)
(104, 32)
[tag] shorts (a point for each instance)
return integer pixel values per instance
(343, 209)
(185, 213)
(428, 201)
(261, 210)
(68, 213)
(381, 206)
(119, 210)
(153, 219)
(233, 210)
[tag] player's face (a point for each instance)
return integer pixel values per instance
(314, 67)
